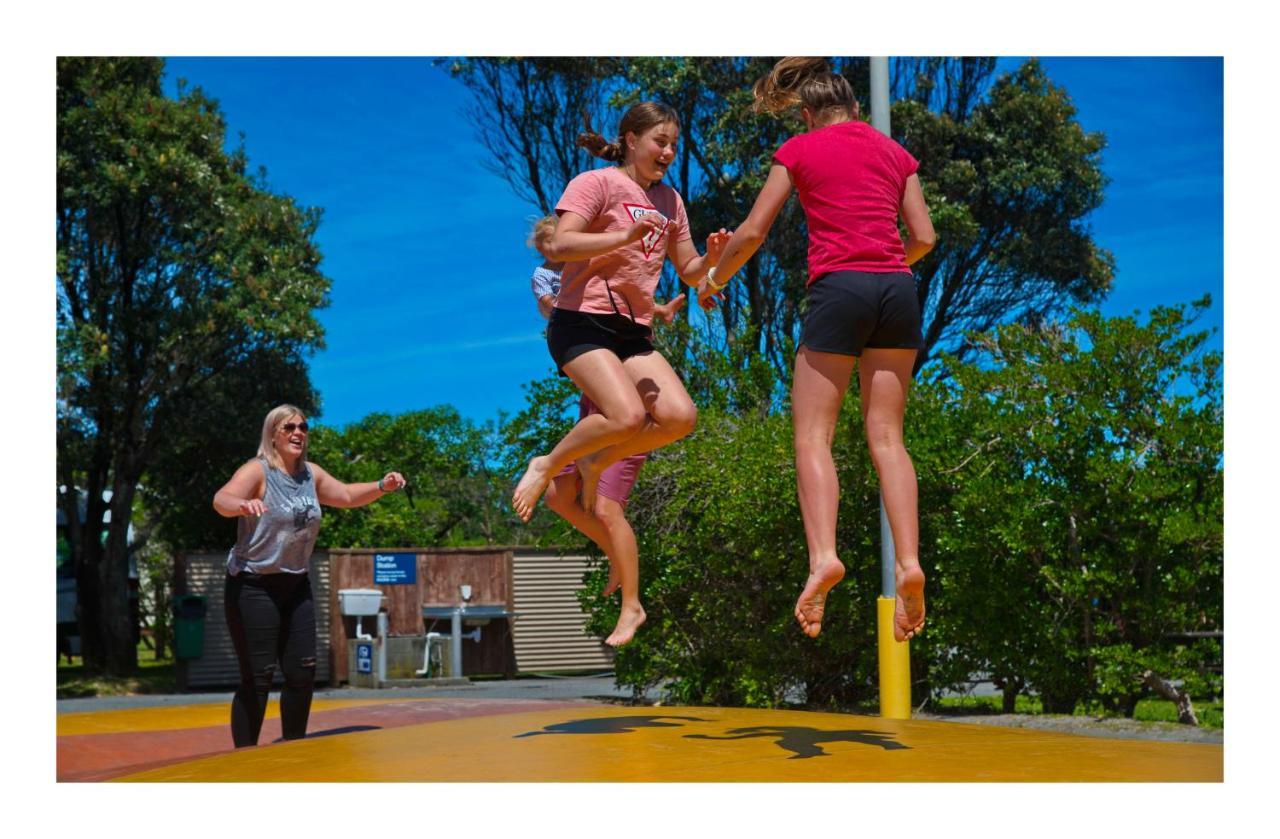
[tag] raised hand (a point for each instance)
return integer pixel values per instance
(667, 311)
(715, 245)
(392, 481)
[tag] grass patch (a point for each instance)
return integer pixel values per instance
(151, 676)
(1210, 713)
(1159, 710)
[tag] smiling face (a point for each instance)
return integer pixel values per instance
(290, 438)
(652, 151)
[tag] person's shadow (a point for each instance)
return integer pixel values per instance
(803, 741)
(610, 725)
(329, 732)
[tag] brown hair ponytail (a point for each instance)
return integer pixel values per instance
(638, 119)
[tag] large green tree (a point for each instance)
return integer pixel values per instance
(175, 268)
(453, 496)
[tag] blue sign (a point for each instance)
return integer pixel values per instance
(364, 657)
(395, 569)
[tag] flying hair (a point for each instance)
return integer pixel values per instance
(804, 82)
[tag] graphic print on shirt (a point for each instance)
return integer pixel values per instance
(303, 511)
(636, 211)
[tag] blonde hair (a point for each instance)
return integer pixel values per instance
(807, 82)
(541, 232)
(267, 447)
(639, 118)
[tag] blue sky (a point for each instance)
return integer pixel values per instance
(425, 247)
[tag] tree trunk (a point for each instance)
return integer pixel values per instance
(115, 618)
(1166, 689)
(1009, 699)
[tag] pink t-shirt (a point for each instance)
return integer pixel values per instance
(609, 200)
(851, 179)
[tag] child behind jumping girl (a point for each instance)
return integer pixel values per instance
(608, 527)
(546, 277)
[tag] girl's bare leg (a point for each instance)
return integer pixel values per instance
(612, 515)
(884, 379)
(671, 416)
(562, 498)
(817, 392)
(601, 376)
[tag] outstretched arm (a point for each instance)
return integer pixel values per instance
(689, 265)
(332, 492)
(750, 235)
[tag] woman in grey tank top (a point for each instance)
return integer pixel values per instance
(270, 612)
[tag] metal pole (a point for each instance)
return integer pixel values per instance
(880, 95)
(455, 629)
(881, 122)
(383, 631)
(895, 660)
(888, 582)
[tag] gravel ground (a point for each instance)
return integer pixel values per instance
(1120, 729)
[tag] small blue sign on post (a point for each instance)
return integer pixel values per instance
(395, 569)
(364, 657)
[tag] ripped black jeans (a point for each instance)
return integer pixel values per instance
(272, 620)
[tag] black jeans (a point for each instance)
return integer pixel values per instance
(272, 620)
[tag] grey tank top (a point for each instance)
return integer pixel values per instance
(279, 541)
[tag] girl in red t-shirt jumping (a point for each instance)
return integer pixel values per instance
(853, 184)
(616, 227)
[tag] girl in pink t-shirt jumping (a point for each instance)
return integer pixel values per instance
(616, 227)
(608, 526)
(853, 184)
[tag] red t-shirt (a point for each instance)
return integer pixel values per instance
(850, 178)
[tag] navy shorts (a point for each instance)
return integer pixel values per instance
(570, 334)
(850, 311)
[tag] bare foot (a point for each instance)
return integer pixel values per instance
(628, 622)
(908, 611)
(531, 487)
(589, 475)
(611, 585)
(813, 599)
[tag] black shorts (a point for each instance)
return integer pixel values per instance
(570, 334)
(852, 310)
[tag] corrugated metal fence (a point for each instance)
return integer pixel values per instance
(549, 635)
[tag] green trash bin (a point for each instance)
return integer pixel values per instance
(188, 625)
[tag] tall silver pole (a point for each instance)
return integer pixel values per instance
(880, 121)
(880, 95)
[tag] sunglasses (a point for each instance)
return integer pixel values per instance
(290, 427)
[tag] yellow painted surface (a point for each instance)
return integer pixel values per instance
(702, 744)
(895, 665)
(178, 717)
